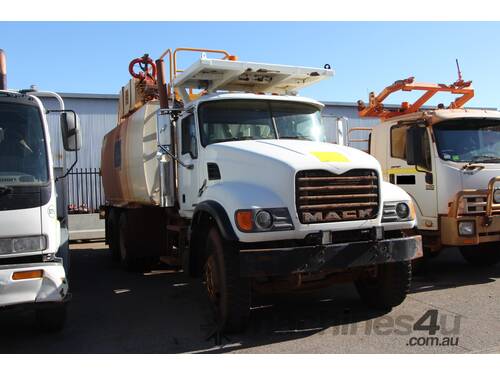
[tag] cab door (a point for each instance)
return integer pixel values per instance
(188, 168)
(418, 181)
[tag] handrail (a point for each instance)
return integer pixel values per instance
(358, 140)
(173, 70)
(226, 54)
(169, 53)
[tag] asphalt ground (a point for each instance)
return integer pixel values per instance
(452, 308)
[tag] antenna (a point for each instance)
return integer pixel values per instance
(459, 72)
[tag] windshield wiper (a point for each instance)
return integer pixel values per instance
(486, 159)
(231, 139)
(301, 137)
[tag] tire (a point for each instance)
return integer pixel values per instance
(125, 251)
(114, 234)
(483, 255)
(51, 319)
(229, 294)
(389, 288)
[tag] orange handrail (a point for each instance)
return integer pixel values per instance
(376, 109)
(172, 61)
(226, 54)
(169, 53)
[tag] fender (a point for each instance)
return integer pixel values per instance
(193, 255)
(219, 214)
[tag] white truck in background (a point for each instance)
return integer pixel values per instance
(448, 160)
(225, 172)
(34, 252)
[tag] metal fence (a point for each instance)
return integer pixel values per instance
(85, 192)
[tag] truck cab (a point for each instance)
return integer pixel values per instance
(34, 253)
(448, 160)
(237, 185)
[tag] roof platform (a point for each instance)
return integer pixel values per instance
(212, 75)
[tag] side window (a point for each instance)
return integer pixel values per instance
(188, 130)
(398, 141)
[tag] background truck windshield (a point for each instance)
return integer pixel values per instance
(23, 157)
(234, 120)
(469, 140)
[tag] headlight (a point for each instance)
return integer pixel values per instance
(496, 196)
(467, 228)
(263, 220)
(398, 211)
(19, 245)
(402, 210)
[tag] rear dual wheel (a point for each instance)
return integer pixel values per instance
(124, 243)
(114, 234)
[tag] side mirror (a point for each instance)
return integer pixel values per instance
(414, 146)
(164, 129)
(70, 130)
(193, 147)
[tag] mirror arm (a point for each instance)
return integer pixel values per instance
(167, 151)
(69, 169)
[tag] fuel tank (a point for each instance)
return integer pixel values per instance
(130, 169)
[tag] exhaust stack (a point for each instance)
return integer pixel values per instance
(3, 70)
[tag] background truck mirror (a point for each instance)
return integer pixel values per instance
(70, 130)
(414, 146)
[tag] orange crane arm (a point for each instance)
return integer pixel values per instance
(375, 107)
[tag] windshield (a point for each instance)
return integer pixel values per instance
(235, 120)
(468, 140)
(23, 158)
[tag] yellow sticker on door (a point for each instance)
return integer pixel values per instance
(330, 157)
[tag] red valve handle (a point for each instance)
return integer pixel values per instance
(146, 64)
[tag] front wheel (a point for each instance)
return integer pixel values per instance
(228, 293)
(483, 255)
(389, 288)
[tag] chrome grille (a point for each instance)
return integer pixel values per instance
(323, 197)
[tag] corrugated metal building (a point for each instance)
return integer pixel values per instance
(97, 114)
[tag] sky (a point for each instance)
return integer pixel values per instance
(93, 57)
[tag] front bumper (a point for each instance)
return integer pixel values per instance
(485, 215)
(486, 230)
(312, 259)
(51, 287)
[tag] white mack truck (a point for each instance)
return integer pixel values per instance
(34, 252)
(224, 172)
(448, 160)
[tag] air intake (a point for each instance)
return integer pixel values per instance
(213, 171)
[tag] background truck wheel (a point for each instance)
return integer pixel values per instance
(228, 293)
(482, 255)
(51, 319)
(389, 288)
(114, 234)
